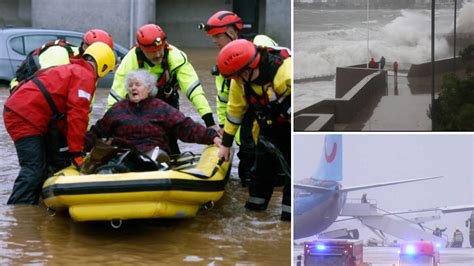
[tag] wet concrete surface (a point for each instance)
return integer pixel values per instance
(228, 234)
(404, 107)
(398, 110)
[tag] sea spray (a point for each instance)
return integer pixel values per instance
(465, 21)
(403, 36)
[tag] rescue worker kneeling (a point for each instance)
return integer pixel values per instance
(261, 83)
(47, 118)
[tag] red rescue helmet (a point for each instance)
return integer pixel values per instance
(236, 57)
(219, 22)
(97, 35)
(151, 37)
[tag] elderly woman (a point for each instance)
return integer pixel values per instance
(145, 122)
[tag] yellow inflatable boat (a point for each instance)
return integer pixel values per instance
(191, 182)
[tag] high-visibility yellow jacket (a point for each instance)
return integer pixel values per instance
(238, 105)
(179, 67)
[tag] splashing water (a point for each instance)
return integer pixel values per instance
(465, 21)
(326, 40)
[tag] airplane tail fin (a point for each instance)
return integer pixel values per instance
(330, 166)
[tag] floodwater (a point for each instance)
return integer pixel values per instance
(228, 234)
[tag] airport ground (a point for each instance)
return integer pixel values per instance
(388, 256)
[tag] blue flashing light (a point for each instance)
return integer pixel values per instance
(438, 245)
(321, 247)
(410, 250)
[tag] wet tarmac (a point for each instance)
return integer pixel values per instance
(228, 234)
(388, 256)
(400, 109)
(403, 107)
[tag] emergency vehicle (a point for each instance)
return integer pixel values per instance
(421, 253)
(334, 252)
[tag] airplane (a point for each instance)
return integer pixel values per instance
(321, 199)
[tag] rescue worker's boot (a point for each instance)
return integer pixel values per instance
(286, 213)
(286, 203)
(259, 194)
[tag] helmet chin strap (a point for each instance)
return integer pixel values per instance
(247, 82)
(94, 65)
(229, 36)
(81, 50)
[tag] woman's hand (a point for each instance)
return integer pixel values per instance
(224, 152)
(219, 130)
(217, 141)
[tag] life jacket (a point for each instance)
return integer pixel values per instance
(269, 107)
(31, 63)
(166, 83)
(225, 84)
(25, 80)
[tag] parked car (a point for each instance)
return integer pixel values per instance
(16, 43)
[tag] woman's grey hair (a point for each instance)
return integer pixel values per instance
(148, 79)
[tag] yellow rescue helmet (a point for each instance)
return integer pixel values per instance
(103, 56)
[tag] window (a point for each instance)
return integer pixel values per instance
(35, 41)
(17, 45)
(119, 54)
(76, 41)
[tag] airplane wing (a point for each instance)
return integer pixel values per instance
(353, 188)
(311, 188)
(449, 209)
(462, 208)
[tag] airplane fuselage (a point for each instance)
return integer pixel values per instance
(316, 211)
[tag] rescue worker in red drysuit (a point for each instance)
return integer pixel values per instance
(62, 94)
